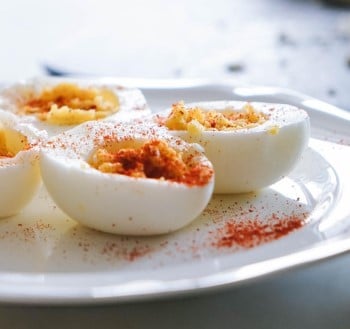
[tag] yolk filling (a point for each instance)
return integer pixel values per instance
(67, 104)
(195, 120)
(11, 142)
(154, 159)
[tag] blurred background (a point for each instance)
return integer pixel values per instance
(298, 44)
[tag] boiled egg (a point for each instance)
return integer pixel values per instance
(251, 146)
(57, 105)
(126, 178)
(19, 163)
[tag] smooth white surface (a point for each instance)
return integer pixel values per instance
(63, 263)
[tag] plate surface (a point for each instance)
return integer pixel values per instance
(48, 258)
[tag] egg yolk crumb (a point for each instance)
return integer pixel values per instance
(11, 142)
(68, 104)
(273, 130)
(195, 120)
(154, 159)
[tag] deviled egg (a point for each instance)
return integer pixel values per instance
(251, 146)
(19, 163)
(127, 179)
(57, 105)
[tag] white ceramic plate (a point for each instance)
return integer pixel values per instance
(48, 258)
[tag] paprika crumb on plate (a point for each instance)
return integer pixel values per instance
(253, 232)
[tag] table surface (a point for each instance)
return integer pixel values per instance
(302, 45)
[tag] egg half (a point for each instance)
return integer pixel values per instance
(246, 157)
(124, 203)
(57, 105)
(19, 163)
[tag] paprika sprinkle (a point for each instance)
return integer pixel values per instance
(253, 232)
(154, 159)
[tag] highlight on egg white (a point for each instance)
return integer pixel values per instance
(130, 101)
(19, 163)
(248, 159)
(118, 203)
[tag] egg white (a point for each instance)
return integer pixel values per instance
(19, 175)
(249, 159)
(132, 103)
(117, 203)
